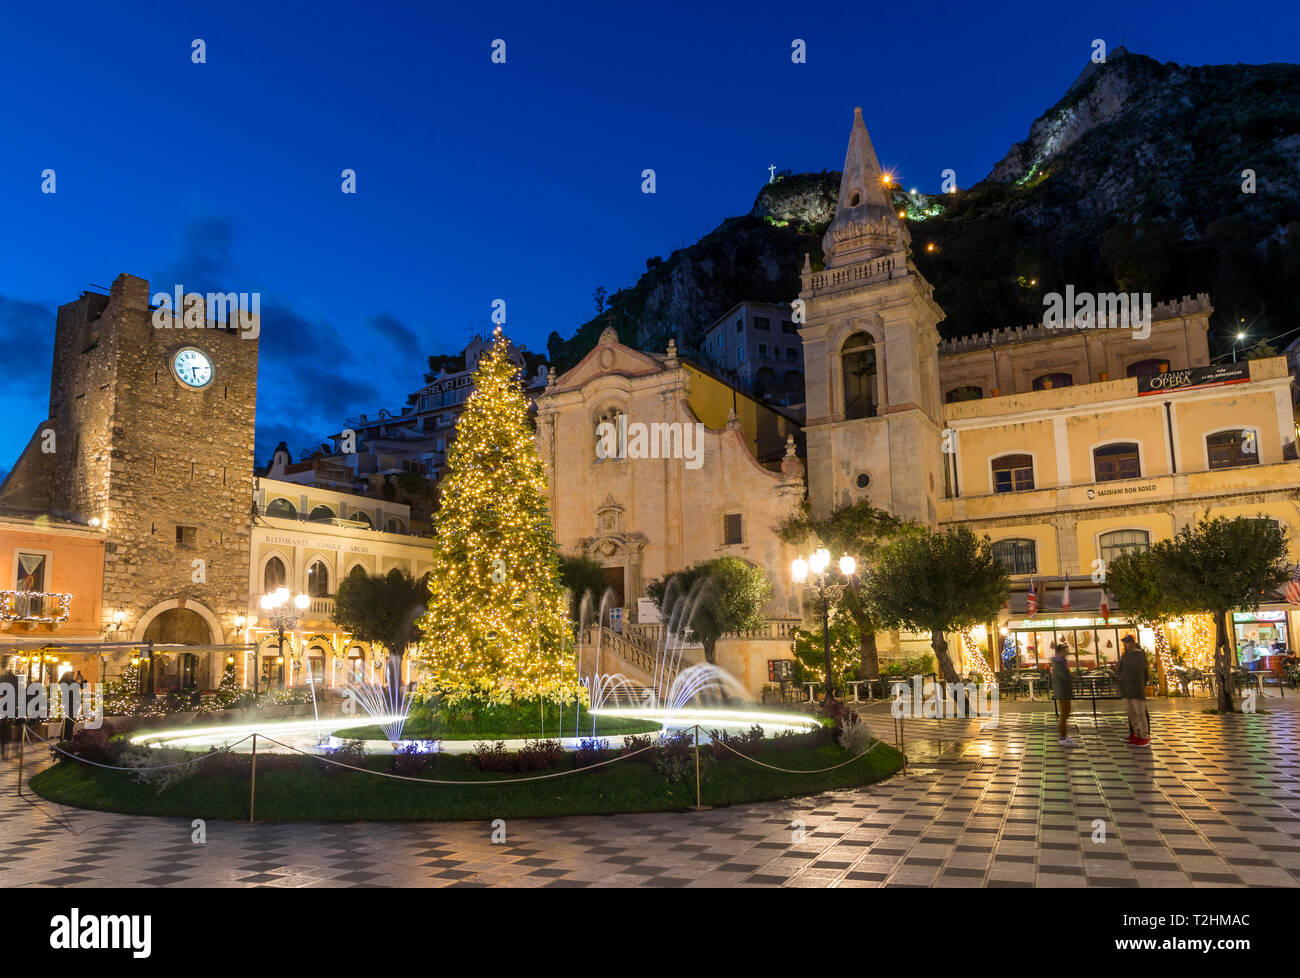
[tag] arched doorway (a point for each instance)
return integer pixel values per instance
(175, 671)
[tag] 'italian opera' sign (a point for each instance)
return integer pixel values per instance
(1181, 380)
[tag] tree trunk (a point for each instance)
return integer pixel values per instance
(940, 646)
(709, 646)
(1223, 662)
(868, 658)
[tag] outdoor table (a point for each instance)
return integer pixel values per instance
(810, 692)
(856, 684)
(1031, 680)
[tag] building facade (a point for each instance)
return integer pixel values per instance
(756, 345)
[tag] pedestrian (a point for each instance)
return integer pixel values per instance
(1134, 673)
(1063, 693)
(8, 709)
(69, 698)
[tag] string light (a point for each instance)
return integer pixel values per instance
(972, 651)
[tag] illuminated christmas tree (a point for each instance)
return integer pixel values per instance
(497, 624)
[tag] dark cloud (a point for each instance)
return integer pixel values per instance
(401, 335)
(26, 340)
(204, 261)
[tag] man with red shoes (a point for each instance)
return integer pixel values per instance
(1133, 676)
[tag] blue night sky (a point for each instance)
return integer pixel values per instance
(478, 181)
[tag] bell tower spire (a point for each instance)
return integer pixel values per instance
(870, 352)
(865, 224)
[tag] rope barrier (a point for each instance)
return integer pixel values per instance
(113, 767)
(405, 777)
(783, 770)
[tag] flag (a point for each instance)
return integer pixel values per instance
(1293, 587)
(1105, 608)
(1031, 602)
(1065, 596)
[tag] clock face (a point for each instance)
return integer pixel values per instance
(192, 367)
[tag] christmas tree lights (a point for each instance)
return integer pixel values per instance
(497, 624)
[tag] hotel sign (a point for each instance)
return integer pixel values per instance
(1181, 380)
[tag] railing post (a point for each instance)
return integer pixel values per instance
(22, 742)
(252, 782)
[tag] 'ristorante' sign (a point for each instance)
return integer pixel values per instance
(1181, 380)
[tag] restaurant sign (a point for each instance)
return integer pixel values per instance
(1181, 380)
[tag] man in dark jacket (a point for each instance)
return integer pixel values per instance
(1133, 676)
(1063, 693)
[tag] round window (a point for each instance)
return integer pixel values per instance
(864, 480)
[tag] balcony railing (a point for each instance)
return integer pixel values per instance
(34, 606)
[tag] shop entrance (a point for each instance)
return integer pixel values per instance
(1090, 643)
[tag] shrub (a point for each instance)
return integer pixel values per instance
(541, 755)
(490, 757)
(855, 737)
(676, 758)
(224, 763)
(536, 755)
(352, 753)
(156, 766)
(95, 745)
(748, 743)
(639, 742)
(592, 750)
(409, 760)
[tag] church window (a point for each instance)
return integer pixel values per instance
(732, 527)
(1013, 473)
(858, 356)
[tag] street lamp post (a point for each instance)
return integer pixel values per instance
(1240, 338)
(826, 593)
(281, 616)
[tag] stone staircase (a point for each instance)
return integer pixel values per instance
(631, 653)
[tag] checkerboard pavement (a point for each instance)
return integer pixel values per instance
(1212, 802)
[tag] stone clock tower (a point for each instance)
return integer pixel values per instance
(155, 444)
(874, 418)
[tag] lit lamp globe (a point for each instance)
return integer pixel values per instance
(848, 565)
(281, 595)
(301, 601)
(268, 602)
(819, 561)
(799, 570)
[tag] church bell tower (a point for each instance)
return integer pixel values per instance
(874, 418)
